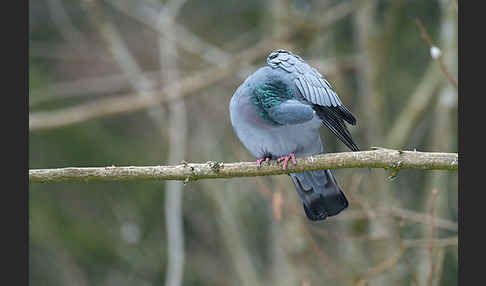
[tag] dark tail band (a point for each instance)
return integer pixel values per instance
(319, 193)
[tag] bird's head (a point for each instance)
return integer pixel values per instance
(277, 56)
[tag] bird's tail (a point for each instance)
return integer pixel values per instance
(320, 193)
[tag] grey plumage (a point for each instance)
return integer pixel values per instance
(278, 110)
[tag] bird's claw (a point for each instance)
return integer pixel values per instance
(259, 161)
(286, 159)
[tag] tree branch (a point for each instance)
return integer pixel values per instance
(380, 158)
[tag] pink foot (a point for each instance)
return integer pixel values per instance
(286, 160)
(259, 161)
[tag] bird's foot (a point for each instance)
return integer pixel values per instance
(286, 159)
(259, 161)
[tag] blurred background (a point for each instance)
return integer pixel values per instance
(148, 82)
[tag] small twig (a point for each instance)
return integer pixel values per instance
(397, 212)
(419, 217)
(427, 39)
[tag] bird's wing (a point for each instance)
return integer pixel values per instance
(290, 112)
(315, 89)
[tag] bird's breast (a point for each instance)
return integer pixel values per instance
(261, 137)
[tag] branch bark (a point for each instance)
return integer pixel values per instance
(380, 158)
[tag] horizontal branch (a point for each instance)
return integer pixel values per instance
(380, 158)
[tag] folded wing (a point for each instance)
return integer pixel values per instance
(315, 89)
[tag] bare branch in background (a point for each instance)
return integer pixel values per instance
(186, 86)
(131, 103)
(419, 217)
(435, 52)
(148, 12)
(233, 238)
(405, 214)
(407, 243)
(332, 14)
(66, 28)
(144, 87)
(104, 85)
(411, 115)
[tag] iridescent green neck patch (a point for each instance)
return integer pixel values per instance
(269, 95)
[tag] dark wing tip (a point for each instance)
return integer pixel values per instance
(332, 117)
(347, 115)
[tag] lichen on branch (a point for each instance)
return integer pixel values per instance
(394, 160)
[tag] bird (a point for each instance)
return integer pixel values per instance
(277, 113)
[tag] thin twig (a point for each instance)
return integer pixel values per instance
(426, 37)
(419, 217)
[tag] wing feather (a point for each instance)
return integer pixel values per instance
(314, 88)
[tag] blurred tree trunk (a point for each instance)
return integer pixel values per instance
(371, 40)
(444, 132)
(177, 124)
(228, 203)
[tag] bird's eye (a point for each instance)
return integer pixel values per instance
(272, 56)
